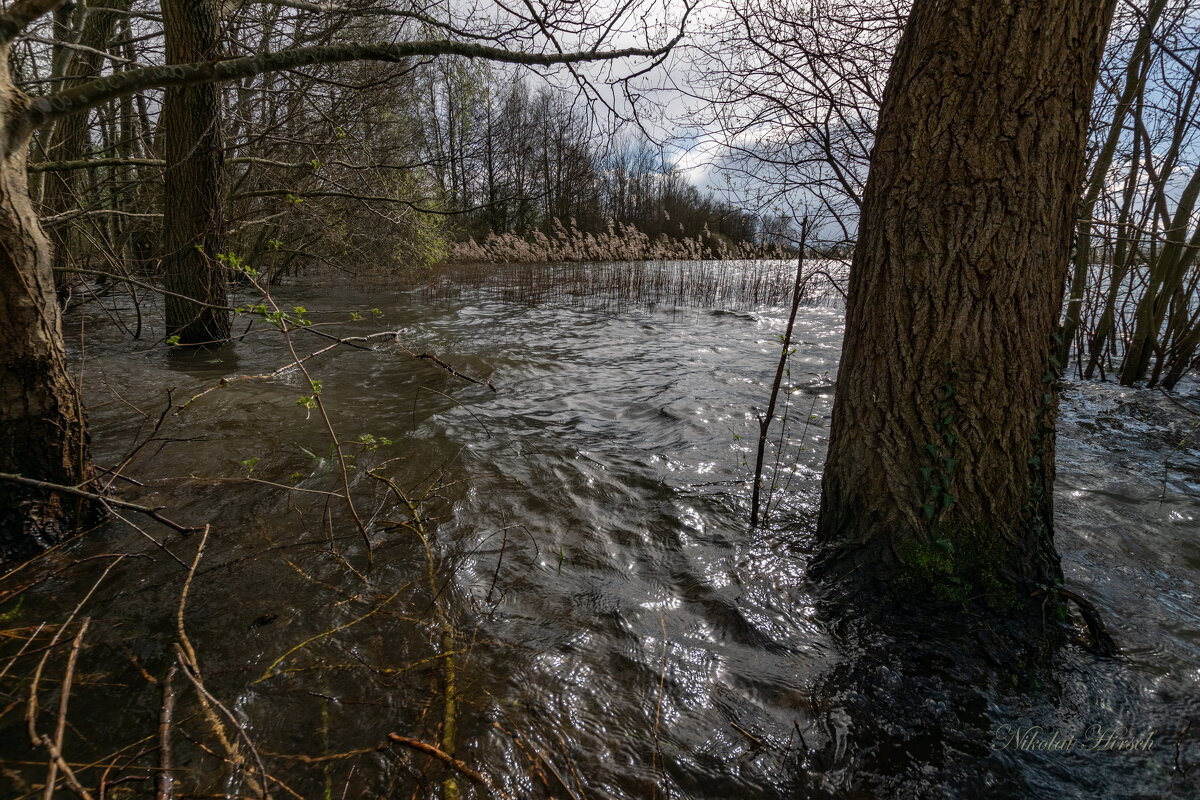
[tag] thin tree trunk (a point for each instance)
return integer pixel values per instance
(1135, 76)
(1123, 253)
(764, 421)
(1166, 274)
(940, 475)
(68, 140)
(64, 29)
(194, 189)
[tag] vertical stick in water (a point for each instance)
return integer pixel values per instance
(764, 420)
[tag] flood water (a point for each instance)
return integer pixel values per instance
(581, 567)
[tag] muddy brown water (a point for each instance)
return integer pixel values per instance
(615, 628)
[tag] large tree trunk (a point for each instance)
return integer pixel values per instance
(192, 215)
(940, 475)
(42, 431)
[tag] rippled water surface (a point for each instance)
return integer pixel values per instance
(571, 550)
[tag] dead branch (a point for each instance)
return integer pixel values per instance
(55, 747)
(448, 368)
(153, 513)
(441, 755)
(186, 655)
(165, 783)
(1095, 624)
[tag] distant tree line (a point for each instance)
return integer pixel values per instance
(518, 159)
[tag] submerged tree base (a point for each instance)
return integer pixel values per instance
(910, 709)
(960, 582)
(958, 570)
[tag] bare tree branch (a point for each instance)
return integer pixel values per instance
(43, 109)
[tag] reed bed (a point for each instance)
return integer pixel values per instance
(740, 285)
(617, 242)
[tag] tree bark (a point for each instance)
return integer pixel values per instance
(940, 475)
(196, 306)
(42, 431)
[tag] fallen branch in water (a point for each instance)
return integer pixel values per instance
(348, 341)
(441, 755)
(31, 708)
(185, 657)
(538, 760)
(447, 367)
(153, 513)
(273, 670)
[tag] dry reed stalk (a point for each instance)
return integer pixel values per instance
(55, 746)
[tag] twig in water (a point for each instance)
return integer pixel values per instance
(764, 421)
(13, 659)
(273, 670)
(445, 366)
(208, 702)
(1162, 494)
(139, 446)
(750, 737)
(441, 755)
(186, 656)
(55, 747)
(165, 783)
(1091, 616)
(31, 710)
(160, 545)
(538, 760)
(499, 561)
(153, 513)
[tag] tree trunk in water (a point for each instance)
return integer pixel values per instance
(940, 475)
(194, 192)
(42, 430)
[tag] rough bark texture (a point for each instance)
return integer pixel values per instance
(940, 473)
(42, 431)
(194, 191)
